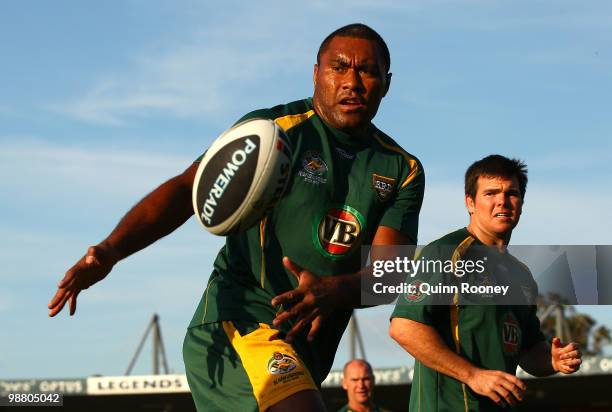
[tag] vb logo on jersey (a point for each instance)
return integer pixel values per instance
(511, 334)
(383, 186)
(338, 231)
(281, 363)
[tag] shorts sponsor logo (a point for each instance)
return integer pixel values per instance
(281, 363)
(511, 334)
(313, 168)
(383, 186)
(338, 231)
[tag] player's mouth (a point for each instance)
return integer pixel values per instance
(503, 215)
(353, 103)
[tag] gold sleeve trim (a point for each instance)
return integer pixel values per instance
(292, 120)
(414, 166)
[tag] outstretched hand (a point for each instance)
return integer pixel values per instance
(565, 358)
(312, 300)
(500, 387)
(91, 268)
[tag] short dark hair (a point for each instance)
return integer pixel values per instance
(495, 166)
(358, 31)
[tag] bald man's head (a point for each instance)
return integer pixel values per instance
(358, 382)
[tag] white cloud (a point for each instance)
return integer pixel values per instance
(60, 170)
(200, 78)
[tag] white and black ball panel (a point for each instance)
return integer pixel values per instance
(241, 176)
(238, 156)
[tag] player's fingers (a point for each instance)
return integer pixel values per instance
(572, 364)
(280, 318)
(314, 328)
(513, 390)
(68, 278)
(292, 267)
(60, 304)
(570, 355)
(516, 381)
(506, 395)
(73, 303)
(286, 315)
(495, 397)
(300, 324)
(556, 342)
(59, 294)
(569, 347)
(287, 297)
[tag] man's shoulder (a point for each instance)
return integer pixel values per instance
(454, 242)
(389, 144)
(285, 115)
(411, 172)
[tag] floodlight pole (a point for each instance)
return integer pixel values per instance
(158, 347)
(355, 338)
(562, 329)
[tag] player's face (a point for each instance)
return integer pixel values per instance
(349, 83)
(358, 383)
(496, 210)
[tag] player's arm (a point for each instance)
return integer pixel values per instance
(543, 359)
(318, 296)
(424, 343)
(158, 214)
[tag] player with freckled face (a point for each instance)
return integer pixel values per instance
(496, 209)
(467, 353)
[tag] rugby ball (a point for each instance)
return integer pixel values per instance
(241, 176)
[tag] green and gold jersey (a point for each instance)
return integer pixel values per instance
(341, 189)
(489, 336)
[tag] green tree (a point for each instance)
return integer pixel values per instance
(582, 328)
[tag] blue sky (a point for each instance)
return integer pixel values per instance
(102, 101)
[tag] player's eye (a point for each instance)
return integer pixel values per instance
(370, 71)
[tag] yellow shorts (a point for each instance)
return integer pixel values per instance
(234, 365)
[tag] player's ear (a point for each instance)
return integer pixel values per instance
(469, 204)
(315, 71)
(387, 83)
